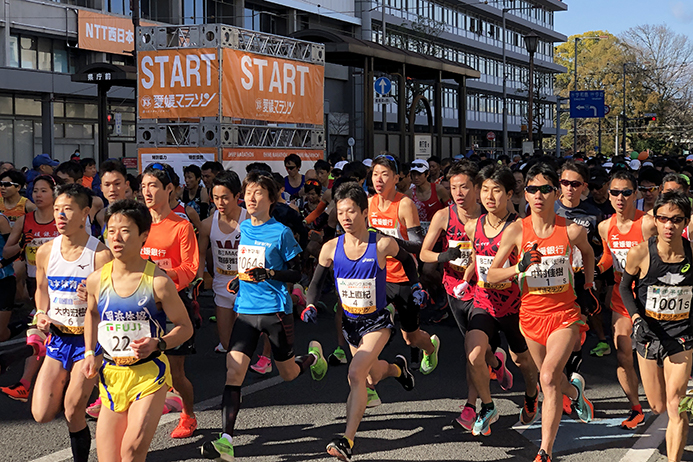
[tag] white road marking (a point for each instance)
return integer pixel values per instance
(647, 444)
(66, 454)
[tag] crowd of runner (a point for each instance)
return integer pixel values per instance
(527, 249)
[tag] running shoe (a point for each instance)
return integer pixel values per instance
(415, 356)
(482, 425)
(406, 378)
(94, 408)
(439, 316)
(583, 406)
(37, 338)
(503, 375)
(634, 420)
(220, 449)
(220, 349)
(529, 409)
(492, 374)
(337, 357)
(339, 448)
(212, 319)
(430, 362)
(186, 427)
(567, 405)
(319, 368)
(542, 457)
(602, 349)
(262, 366)
(173, 403)
(300, 295)
(373, 398)
(17, 392)
(466, 418)
(391, 309)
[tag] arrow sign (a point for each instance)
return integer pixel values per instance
(587, 104)
(382, 85)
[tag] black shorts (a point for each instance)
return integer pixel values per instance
(660, 348)
(399, 294)
(188, 347)
(8, 289)
(355, 328)
(31, 286)
(462, 312)
(279, 328)
(491, 326)
(607, 277)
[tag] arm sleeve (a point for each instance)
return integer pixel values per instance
(292, 273)
(413, 245)
(626, 291)
(320, 275)
(607, 259)
(409, 265)
(190, 257)
(316, 213)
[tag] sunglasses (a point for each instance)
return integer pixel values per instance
(391, 159)
(675, 220)
(312, 182)
(159, 166)
(7, 184)
(618, 192)
(574, 184)
(292, 167)
(648, 188)
(544, 189)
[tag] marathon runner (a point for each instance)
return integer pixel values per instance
(359, 258)
(269, 257)
(8, 289)
(549, 317)
(171, 244)
(660, 309)
(61, 265)
(114, 185)
(135, 375)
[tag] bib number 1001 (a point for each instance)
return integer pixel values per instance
(671, 304)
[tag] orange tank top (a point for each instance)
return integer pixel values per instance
(619, 243)
(15, 212)
(547, 287)
(388, 222)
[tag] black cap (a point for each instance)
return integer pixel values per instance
(598, 177)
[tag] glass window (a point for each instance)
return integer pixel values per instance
(5, 106)
(44, 54)
(28, 52)
(23, 142)
(60, 57)
(27, 106)
(91, 111)
(6, 139)
(14, 51)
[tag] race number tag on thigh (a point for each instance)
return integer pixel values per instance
(249, 256)
(357, 295)
(116, 336)
(551, 276)
(668, 303)
(461, 264)
(483, 263)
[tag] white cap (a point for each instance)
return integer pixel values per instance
(419, 165)
(340, 165)
(367, 162)
(647, 163)
(608, 166)
(689, 158)
(635, 164)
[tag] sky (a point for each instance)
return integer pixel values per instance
(616, 16)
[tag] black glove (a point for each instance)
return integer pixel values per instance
(588, 301)
(531, 257)
(641, 331)
(258, 274)
(452, 253)
(232, 286)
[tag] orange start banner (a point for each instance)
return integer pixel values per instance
(105, 32)
(273, 89)
(178, 83)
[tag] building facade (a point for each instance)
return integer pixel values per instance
(42, 45)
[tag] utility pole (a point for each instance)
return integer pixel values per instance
(559, 111)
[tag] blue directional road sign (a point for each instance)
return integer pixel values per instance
(382, 85)
(587, 104)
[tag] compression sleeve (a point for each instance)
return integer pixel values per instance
(292, 273)
(409, 265)
(316, 213)
(320, 275)
(607, 259)
(413, 245)
(626, 291)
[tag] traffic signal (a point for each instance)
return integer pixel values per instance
(653, 118)
(110, 118)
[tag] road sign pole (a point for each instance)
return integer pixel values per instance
(600, 135)
(575, 58)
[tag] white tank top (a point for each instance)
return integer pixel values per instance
(225, 247)
(66, 309)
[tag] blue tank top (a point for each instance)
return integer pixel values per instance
(8, 270)
(360, 283)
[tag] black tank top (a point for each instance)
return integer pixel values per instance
(664, 294)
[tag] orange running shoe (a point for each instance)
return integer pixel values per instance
(17, 392)
(186, 427)
(492, 374)
(567, 405)
(632, 422)
(542, 457)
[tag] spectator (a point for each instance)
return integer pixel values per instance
(5, 166)
(193, 195)
(91, 177)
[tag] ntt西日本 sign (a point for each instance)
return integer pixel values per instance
(105, 32)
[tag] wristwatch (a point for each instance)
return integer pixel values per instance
(161, 345)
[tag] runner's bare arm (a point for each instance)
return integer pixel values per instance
(511, 240)
(41, 298)
(30, 207)
(578, 237)
(637, 258)
(103, 255)
(91, 365)
(202, 243)
(443, 194)
(438, 224)
(649, 228)
(12, 246)
(194, 217)
(96, 207)
(607, 259)
(321, 273)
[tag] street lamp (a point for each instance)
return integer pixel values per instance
(577, 39)
(531, 42)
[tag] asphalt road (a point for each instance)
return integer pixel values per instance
(294, 421)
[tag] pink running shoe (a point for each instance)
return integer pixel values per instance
(263, 365)
(173, 403)
(466, 419)
(503, 375)
(94, 408)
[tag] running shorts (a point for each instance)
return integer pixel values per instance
(354, 329)
(399, 294)
(68, 349)
(538, 327)
(8, 289)
(490, 325)
(658, 349)
(222, 297)
(188, 347)
(279, 328)
(120, 386)
(462, 312)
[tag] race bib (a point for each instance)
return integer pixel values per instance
(461, 264)
(483, 263)
(32, 247)
(227, 259)
(357, 295)
(69, 319)
(619, 256)
(250, 256)
(668, 303)
(116, 336)
(551, 276)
